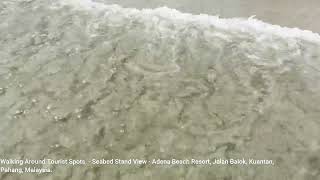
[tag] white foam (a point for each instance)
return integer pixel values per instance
(250, 25)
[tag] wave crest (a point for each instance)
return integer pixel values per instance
(251, 25)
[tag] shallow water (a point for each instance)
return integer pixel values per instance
(85, 80)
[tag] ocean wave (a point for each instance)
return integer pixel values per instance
(251, 25)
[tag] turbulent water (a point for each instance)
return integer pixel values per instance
(86, 80)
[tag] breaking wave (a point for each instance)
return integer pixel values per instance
(250, 25)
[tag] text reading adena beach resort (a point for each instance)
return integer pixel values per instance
(46, 165)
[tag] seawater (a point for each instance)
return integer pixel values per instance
(87, 80)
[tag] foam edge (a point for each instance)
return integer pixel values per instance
(250, 25)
